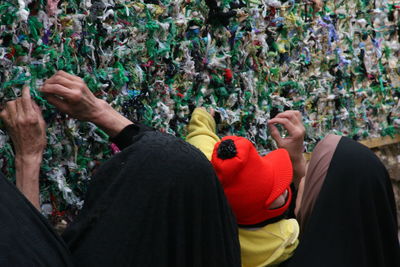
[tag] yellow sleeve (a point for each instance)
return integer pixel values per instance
(201, 130)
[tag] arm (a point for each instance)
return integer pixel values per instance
(69, 94)
(291, 120)
(27, 178)
(201, 130)
(27, 129)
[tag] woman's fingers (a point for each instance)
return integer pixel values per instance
(285, 122)
(68, 76)
(26, 100)
(291, 120)
(293, 115)
(57, 90)
(63, 80)
(11, 108)
(273, 130)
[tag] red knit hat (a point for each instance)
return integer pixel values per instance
(251, 182)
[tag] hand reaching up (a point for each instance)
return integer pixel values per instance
(292, 121)
(25, 125)
(69, 94)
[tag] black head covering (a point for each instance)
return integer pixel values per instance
(157, 203)
(26, 238)
(353, 223)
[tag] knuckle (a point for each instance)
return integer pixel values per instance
(31, 120)
(82, 87)
(10, 103)
(26, 120)
(76, 96)
(58, 86)
(45, 88)
(20, 121)
(57, 78)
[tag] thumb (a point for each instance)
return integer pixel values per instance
(275, 134)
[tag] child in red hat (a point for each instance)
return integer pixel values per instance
(257, 188)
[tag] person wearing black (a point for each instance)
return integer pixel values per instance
(346, 209)
(156, 203)
(26, 238)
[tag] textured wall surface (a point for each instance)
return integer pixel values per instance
(155, 60)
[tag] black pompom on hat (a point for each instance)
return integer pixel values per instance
(227, 149)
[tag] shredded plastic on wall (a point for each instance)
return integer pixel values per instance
(155, 60)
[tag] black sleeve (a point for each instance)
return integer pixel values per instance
(126, 136)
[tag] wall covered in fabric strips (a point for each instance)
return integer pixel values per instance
(155, 60)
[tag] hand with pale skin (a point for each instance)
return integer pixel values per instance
(70, 94)
(292, 121)
(27, 129)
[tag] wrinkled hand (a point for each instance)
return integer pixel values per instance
(25, 125)
(292, 121)
(69, 94)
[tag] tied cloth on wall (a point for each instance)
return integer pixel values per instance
(155, 60)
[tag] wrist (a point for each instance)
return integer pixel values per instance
(109, 120)
(97, 115)
(299, 164)
(30, 159)
(27, 171)
(297, 159)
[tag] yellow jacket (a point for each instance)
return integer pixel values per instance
(265, 246)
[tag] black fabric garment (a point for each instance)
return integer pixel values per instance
(26, 238)
(353, 223)
(156, 203)
(126, 137)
